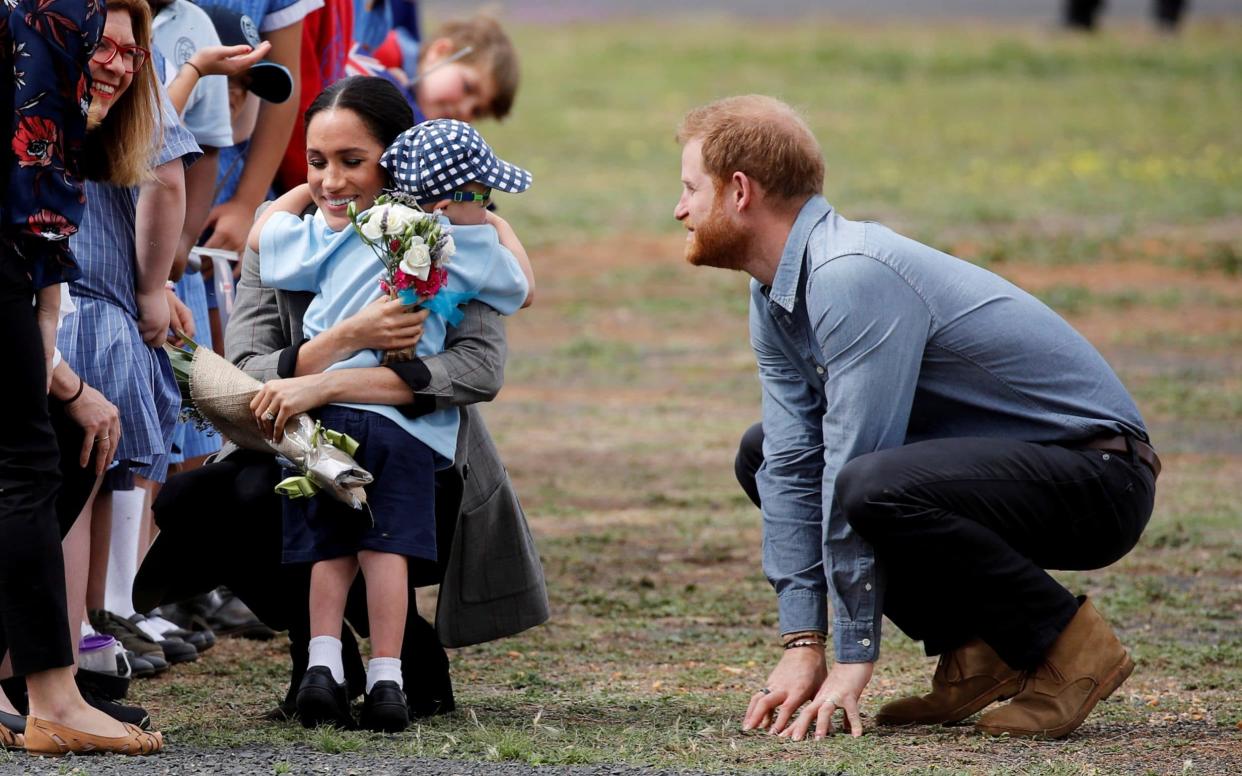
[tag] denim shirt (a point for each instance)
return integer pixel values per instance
(867, 340)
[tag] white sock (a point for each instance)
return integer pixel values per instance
(149, 628)
(326, 651)
(127, 513)
(384, 669)
(161, 625)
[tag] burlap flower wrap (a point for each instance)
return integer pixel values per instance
(221, 393)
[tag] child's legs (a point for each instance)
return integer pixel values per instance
(329, 587)
(388, 600)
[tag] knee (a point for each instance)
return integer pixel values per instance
(749, 459)
(860, 492)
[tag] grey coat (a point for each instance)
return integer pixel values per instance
(493, 584)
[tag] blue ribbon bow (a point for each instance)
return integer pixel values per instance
(443, 304)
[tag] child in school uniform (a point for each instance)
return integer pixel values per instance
(447, 167)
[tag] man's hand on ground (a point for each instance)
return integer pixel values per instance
(792, 683)
(841, 690)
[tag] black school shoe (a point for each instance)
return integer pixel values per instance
(384, 709)
(134, 715)
(321, 701)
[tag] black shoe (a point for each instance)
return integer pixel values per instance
(134, 715)
(384, 709)
(143, 667)
(201, 640)
(321, 701)
(108, 685)
(285, 712)
(175, 650)
(226, 615)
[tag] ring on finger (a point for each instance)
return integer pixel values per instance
(269, 416)
(766, 691)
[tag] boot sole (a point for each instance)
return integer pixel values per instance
(1005, 691)
(1115, 679)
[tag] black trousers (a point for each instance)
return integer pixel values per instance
(33, 619)
(965, 530)
(220, 524)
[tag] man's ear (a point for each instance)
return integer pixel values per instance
(741, 191)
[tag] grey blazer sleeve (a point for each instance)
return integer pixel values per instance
(257, 332)
(471, 367)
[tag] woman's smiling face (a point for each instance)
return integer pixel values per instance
(109, 82)
(342, 161)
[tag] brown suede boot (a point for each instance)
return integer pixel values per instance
(1084, 666)
(966, 679)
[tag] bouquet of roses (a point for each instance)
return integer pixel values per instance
(414, 249)
(216, 392)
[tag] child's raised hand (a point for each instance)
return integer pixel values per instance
(228, 60)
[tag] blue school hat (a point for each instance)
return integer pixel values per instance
(436, 157)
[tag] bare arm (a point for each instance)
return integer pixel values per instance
(231, 220)
(212, 60)
(157, 229)
(509, 239)
(47, 312)
(200, 184)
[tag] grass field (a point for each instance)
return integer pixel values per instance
(1103, 174)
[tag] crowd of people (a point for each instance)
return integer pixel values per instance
(147, 134)
(933, 438)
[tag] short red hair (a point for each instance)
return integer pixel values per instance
(761, 137)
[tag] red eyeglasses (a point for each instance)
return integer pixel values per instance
(132, 56)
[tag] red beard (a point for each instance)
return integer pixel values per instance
(719, 241)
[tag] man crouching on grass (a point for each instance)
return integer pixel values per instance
(934, 438)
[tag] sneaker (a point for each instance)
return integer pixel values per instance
(384, 709)
(321, 701)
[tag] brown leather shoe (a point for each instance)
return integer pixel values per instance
(11, 739)
(966, 679)
(49, 738)
(1084, 666)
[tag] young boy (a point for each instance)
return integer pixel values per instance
(442, 82)
(447, 167)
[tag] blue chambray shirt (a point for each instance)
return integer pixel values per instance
(868, 340)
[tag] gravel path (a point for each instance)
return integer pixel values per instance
(296, 760)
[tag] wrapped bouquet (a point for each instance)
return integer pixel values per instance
(414, 248)
(216, 392)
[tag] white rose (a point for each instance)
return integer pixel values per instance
(371, 228)
(399, 217)
(449, 248)
(417, 261)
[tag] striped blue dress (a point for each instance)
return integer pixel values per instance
(101, 342)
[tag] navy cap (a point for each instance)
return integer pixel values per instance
(436, 157)
(268, 80)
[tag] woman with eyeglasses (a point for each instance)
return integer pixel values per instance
(135, 152)
(44, 51)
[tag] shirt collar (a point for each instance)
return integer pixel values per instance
(784, 288)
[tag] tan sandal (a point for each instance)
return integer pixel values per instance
(49, 738)
(11, 739)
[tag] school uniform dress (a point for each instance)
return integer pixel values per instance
(101, 342)
(178, 31)
(403, 453)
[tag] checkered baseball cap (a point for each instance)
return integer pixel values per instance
(436, 157)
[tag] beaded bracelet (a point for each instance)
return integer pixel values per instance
(806, 643)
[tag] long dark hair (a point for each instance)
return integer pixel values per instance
(376, 101)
